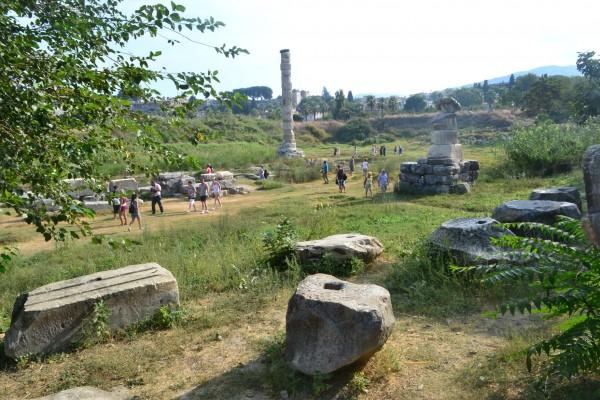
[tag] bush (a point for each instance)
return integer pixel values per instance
(357, 129)
(329, 265)
(280, 245)
(562, 270)
(295, 170)
(548, 148)
(268, 184)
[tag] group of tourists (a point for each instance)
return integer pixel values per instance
(341, 177)
(123, 205)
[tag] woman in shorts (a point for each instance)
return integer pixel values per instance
(340, 178)
(134, 211)
(191, 192)
(123, 206)
(369, 185)
(203, 195)
(216, 192)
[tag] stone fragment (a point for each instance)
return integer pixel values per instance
(558, 193)
(460, 188)
(445, 170)
(342, 248)
(543, 211)
(125, 184)
(224, 175)
(88, 393)
(467, 240)
(407, 167)
(591, 178)
(52, 317)
(412, 178)
(173, 183)
(331, 323)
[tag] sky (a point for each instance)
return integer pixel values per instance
(379, 46)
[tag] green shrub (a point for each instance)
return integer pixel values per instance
(317, 132)
(295, 171)
(562, 271)
(268, 184)
(357, 129)
(280, 245)
(330, 265)
(548, 148)
(96, 328)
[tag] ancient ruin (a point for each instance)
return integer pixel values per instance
(591, 177)
(444, 170)
(288, 147)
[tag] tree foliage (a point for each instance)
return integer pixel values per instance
(62, 64)
(562, 270)
(415, 103)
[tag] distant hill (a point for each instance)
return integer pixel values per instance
(566, 70)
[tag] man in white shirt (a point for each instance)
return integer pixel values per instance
(365, 167)
(156, 198)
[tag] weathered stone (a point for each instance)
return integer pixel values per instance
(544, 211)
(445, 170)
(591, 178)
(422, 161)
(412, 178)
(467, 240)
(407, 167)
(331, 323)
(445, 151)
(125, 184)
(173, 183)
(559, 193)
(460, 188)
(51, 318)
(79, 188)
(444, 136)
(88, 393)
(224, 175)
(98, 205)
(342, 248)
(441, 161)
(423, 169)
(441, 179)
(435, 189)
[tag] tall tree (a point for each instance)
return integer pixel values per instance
(326, 95)
(370, 100)
(415, 103)
(511, 81)
(62, 64)
(339, 103)
(381, 106)
(588, 91)
(392, 104)
(350, 96)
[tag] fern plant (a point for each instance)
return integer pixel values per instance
(562, 270)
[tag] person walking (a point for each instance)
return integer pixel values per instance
(191, 193)
(365, 167)
(340, 179)
(383, 150)
(351, 165)
(395, 149)
(369, 184)
(324, 172)
(203, 195)
(383, 181)
(116, 204)
(156, 197)
(261, 173)
(134, 211)
(123, 206)
(216, 192)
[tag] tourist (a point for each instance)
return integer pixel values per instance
(374, 150)
(335, 150)
(203, 195)
(191, 192)
(395, 149)
(324, 172)
(365, 167)
(123, 206)
(216, 192)
(261, 173)
(351, 165)
(266, 173)
(156, 191)
(383, 150)
(340, 179)
(369, 184)
(116, 204)
(134, 211)
(383, 181)
(400, 150)
(209, 169)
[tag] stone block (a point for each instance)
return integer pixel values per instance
(460, 188)
(441, 161)
(543, 211)
(445, 151)
(412, 178)
(332, 323)
(591, 178)
(445, 170)
(51, 318)
(468, 240)
(448, 136)
(125, 184)
(342, 248)
(407, 167)
(423, 169)
(441, 179)
(558, 193)
(89, 393)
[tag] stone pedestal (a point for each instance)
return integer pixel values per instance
(288, 147)
(444, 170)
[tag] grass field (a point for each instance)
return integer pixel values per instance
(228, 348)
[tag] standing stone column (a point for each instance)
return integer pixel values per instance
(445, 149)
(288, 147)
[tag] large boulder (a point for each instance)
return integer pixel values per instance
(331, 323)
(88, 393)
(51, 318)
(174, 183)
(468, 240)
(558, 193)
(342, 248)
(591, 177)
(544, 211)
(79, 188)
(125, 184)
